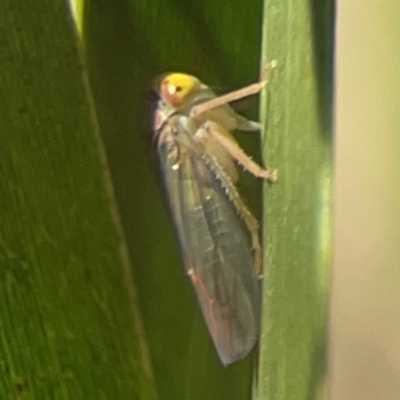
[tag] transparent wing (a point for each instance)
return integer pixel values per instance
(215, 244)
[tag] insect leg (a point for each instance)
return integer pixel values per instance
(250, 222)
(236, 95)
(213, 129)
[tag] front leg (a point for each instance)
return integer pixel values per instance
(236, 95)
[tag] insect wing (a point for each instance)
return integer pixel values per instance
(214, 241)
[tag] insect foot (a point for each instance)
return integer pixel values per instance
(271, 176)
(267, 69)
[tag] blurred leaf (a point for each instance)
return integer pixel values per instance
(77, 8)
(70, 327)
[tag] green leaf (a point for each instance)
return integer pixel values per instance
(70, 327)
(297, 214)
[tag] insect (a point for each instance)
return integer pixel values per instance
(218, 235)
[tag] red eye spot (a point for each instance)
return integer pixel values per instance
(172, 99)
(175, 101)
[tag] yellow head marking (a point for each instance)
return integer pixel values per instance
(176, 87)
